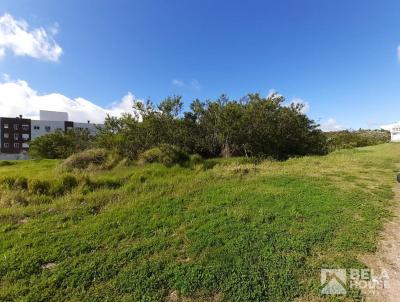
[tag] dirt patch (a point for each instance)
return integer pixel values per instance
(174, 296)
(385, 263)
(50, 265)
(23, 221)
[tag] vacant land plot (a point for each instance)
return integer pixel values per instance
(224, 230)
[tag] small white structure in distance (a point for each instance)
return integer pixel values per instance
(394, 131)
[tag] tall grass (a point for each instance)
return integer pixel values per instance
(220, 230)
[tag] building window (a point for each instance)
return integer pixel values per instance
(15, 126)
(25, 145)
(25, 136)
(36, 127)
(16, 136)
(47, 128)
(6, 135)
(6, 145)
(25, 127)
(16, 145)
(5, 126)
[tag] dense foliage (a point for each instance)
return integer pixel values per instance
(353, 139)
(60, 144)
(165, 154)
(252, 126)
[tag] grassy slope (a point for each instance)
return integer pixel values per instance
(236, 232)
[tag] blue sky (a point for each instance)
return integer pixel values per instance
(339, 56)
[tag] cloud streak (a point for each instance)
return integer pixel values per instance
(194, 84)
(178, 83)
(17, 97)
(331, 125)
(18, 38)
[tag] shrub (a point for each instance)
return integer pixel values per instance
(13, 198)
(21, 183)
(65, 184)
(4, 163)
(196, 159)
(60, 144)
(40, 199)
(165, 154)
(8, 182)
(39, 187)
(92, 159)
(209, 164)
(360, 138)
(90, 185)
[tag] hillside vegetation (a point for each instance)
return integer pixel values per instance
(215, 230)
(347, 139)
(251, 126)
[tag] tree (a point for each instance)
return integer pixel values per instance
(60, 144)
(251, 126)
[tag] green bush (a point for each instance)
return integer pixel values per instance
(353, 139)
(21, 183)
(196, 159)
(165, 154)
(8, 181)
(60, 144)
(39, 187)
(66, 184)
(92, 159)
(209, 164)
(4, 163)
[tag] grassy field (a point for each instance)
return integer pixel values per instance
(226, 230)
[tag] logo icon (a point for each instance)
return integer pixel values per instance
(333, 281)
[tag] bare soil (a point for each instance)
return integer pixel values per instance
(385, 263)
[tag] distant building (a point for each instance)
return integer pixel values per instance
(16, 133)
(395, 132)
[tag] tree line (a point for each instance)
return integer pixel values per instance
(251, 126)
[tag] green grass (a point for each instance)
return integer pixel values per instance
(230, 232)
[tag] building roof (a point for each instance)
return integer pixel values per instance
(53, 116)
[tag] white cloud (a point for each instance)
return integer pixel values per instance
(17, 97)
(390, 126)
(273, 93)
(194, 84)
(16, 36)
(331, 125)
(306, 105)
(178, 83)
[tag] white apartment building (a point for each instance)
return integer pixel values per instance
(15, 133)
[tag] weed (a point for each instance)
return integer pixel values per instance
(39, 187)
(21, 183)
(167, 155)
(13, 198)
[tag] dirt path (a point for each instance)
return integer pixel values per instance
(387, 259)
